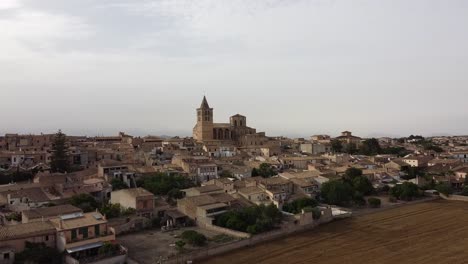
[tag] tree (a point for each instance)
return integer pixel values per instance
(38, 253)
(118, 184)
(336, 146)
(406, 191)
(226, 174)
(337, 192)
(162, 184)
(444, 188)
(84, 201)
(254, 219)
(370, 147)
(362, 185)
(352, 173)
(59, 160)
(266, 170)
(296, 206)
(350, 148)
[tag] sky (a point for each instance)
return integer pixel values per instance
(293, 67)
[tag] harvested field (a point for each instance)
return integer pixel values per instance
(432, 232)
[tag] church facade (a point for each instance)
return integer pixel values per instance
(235, 132)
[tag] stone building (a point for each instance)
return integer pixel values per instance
(235, 132)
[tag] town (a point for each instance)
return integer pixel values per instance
(129, 199)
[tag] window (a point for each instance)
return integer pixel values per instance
(6, 256)
(97, 230)
(73, 234)
(46, 238)
(84, 232)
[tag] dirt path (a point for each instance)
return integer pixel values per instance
(432, 232)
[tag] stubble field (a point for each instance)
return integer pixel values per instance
(432, 232)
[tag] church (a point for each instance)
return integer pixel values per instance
(236, 132)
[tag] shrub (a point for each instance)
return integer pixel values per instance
(255, 219)
(316, 213)
(296, 206)
(194, 238)
(406, 191)
(444, 188)
(374, 202)
(465, 191)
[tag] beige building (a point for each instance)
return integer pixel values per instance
(81, 236)
(137, 198)
(236, 131)
(13, 238)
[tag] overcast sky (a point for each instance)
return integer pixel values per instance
(293, 67)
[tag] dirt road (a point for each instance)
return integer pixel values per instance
(433, 232)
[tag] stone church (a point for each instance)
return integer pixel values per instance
(235, 132)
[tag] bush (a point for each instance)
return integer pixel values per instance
(254, 220)
(465, 191)
(406, 191)
(374, 202)
(296, 206)
(85, 202)
(162, 184)
(337, 192)
(444, 188)
(38, 253)
(194, 238)
(316, 213)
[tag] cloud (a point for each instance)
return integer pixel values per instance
(9, 4)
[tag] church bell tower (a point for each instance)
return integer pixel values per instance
(204, 127)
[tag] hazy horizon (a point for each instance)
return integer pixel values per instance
(294, 68)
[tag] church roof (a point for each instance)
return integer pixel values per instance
(204, 103)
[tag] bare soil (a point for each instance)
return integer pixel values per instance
(431, 232)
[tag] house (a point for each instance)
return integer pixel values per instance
(255, 195)
(348, 138)
(461, 155)
(417, 161)
(81, 235)
(396, 164)
(13, 238)
(460, 173)
(46, 213)
(137, 198)
(207, 189)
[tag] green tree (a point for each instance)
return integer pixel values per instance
(226, 174)
(59, 159)
(444, 188)
(337, 192)
(162, 184)
(118, 184)
(370, 147)
(352, 173)
(362, 185)
(350, 148)
(336, 146)
(406, 191)
(85, 202)
(296, 206)
(37, 253)
(266, 170)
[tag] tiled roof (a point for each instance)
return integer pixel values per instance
(26, 230)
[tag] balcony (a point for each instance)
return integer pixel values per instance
(117, 257)
(79, 243)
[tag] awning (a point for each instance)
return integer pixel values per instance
(84, 247)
